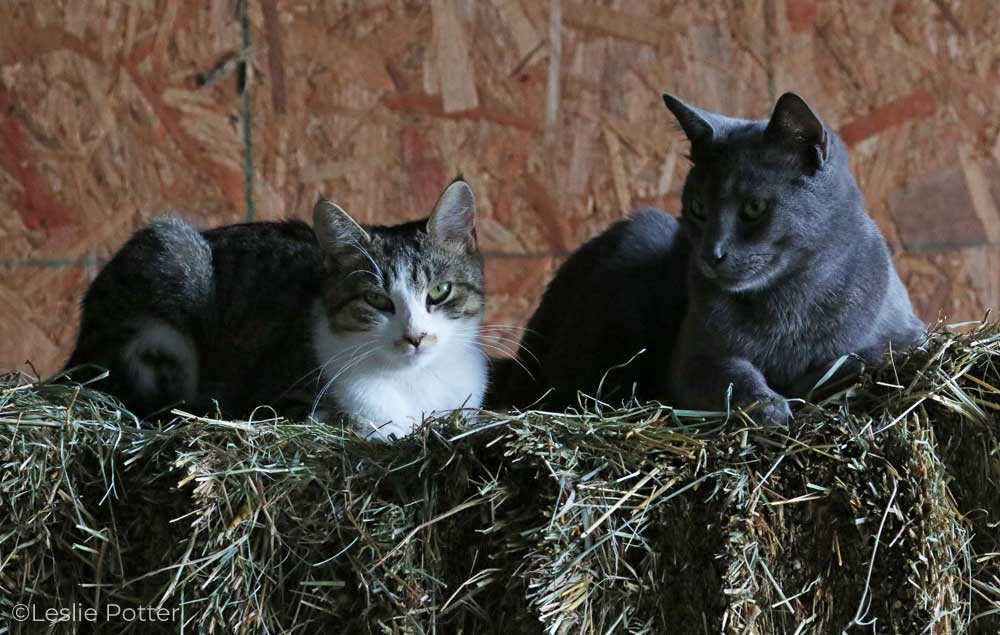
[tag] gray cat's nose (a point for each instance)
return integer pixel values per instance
(717, 255)
(415, 339)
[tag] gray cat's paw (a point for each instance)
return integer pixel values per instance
(771, 410)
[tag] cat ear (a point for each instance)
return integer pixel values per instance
(335, 228)
(699, 125)
(795, 126)
(454, 217)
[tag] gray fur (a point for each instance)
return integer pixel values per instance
(766, 307)
(776, 300)
(607, 321)
(184, 256)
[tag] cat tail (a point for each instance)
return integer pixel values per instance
(140, 319)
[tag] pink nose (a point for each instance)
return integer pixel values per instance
(415, 339)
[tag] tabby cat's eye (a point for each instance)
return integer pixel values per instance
(697, 209)
(439, 293)
(380, 301)
(753, 209)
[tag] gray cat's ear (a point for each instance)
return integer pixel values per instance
(795, 126)
(335, 229)
(699, 125)
(454, 218)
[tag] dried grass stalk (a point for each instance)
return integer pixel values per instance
(882, 508)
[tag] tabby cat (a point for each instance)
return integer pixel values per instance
(377, 323)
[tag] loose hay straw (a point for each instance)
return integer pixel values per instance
(879, 513)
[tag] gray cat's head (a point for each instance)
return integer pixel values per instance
(405, 294)
(763, 197)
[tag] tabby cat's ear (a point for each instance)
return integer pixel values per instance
(335, 229)
(701, 126)
(454, 218)
(794, 126)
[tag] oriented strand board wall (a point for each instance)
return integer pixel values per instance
(112, 112)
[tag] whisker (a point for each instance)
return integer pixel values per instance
(318, 370)
(508, 327)
(494, 347)
(327, 386)
(499, 347)
(352, 363)
(364, 252)
(499, 340)
(506, 353)
(517, 345)
(347, 352)
(370, 273)
(516, 360)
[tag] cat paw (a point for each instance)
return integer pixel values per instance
(771, 410)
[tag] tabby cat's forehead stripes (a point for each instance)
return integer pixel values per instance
(404, 342)
(405, 258)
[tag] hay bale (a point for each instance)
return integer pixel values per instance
(881, 508)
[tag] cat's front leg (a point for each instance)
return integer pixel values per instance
(702, 382)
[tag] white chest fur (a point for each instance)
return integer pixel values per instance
(384, 399)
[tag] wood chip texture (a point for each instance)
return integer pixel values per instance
(112, 113)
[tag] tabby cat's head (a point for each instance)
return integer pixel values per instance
(402, 295)
(763, 197)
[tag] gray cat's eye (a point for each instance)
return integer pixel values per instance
(439, 293)
(753, 209)
(380, 301)
(697, 209)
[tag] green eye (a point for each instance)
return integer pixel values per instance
(379, 300)
(753, 209)
(697, 209)
(439, 293)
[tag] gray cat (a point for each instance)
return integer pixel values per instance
(775, 272)
(788, 273)
(607, 322)
(378, 323)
